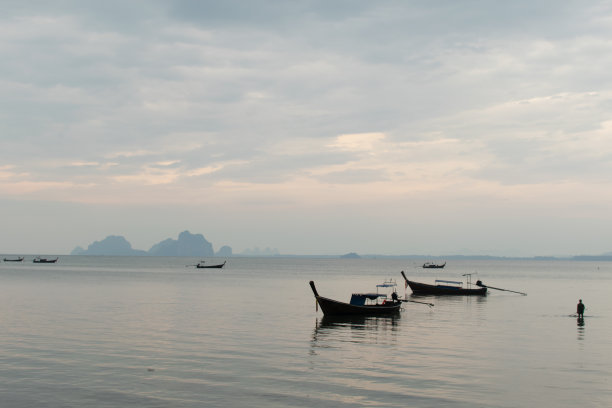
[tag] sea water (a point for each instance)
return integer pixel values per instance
(157, 332)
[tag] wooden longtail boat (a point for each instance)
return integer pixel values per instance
(203, 265)
(431, 265)
(358, 304)
(19, 259)
(38, 259)
(446, 288)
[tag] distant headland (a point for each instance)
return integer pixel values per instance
(195, 245)
(187, 244)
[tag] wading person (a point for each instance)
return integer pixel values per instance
(580, 309)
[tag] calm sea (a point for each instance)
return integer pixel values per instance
(153, 332)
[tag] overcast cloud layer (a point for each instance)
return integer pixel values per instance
(315, 127)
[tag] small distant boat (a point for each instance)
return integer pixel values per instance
(19, 259)
(432, 265)
(203, 265)
(38, 259)
(361, 304)
(443, 287)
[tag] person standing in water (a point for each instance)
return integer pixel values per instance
(580, 309)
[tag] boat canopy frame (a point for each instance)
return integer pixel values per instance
(448, 281)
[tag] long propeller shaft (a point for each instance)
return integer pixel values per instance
(415, 301)
(505, 290)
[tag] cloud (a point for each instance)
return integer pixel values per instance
(358, 142)
(306, 104)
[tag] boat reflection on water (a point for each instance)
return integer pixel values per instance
(355, 329)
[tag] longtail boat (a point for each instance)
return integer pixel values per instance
(431, 265)
(19, 259)
(360, 304)
(443, 287)
(201, 265)
(38, 259)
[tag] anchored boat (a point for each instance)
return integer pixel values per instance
(203, 265)
(431, 265)
(19, 259)
(443, 287)
(360, 304)
(38, 259)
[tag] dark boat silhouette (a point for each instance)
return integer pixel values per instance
(431, 265)
(451, 288)
(359, 304)
(19, 259)
(38, 259)
(201, 265)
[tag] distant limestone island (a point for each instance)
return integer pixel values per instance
(187, 244)
(195, 245)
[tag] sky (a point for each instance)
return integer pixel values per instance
(312, 127)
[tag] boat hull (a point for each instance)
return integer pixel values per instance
(332, 307)
(431, 265)
(43, 260)
(426, 289)
(202, 266)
